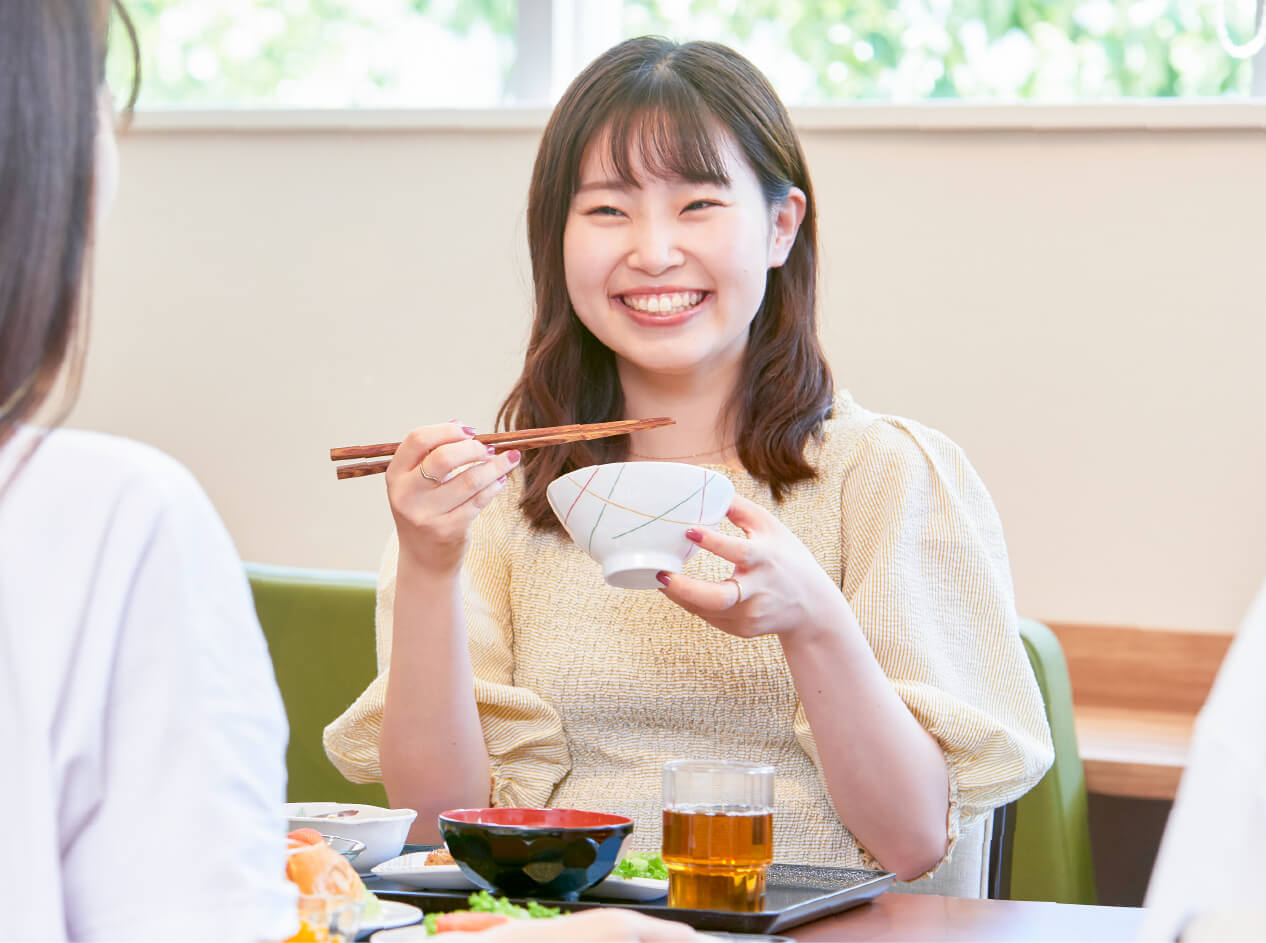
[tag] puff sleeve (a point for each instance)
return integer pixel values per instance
(925, 569)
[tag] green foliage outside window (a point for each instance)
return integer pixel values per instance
(431, 53)
(982, 49)
(320, 53)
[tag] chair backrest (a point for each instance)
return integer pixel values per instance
(1050, 848)
(320, 630)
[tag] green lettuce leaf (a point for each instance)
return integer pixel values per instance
(642, 866)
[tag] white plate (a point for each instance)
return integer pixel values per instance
(629, 888)
(414, 934)
(410, 870)
(392, 914)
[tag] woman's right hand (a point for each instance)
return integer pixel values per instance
(434, 502)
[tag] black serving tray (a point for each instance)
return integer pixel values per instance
(794, 894)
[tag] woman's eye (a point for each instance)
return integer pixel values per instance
(701, 204)
(603, 211)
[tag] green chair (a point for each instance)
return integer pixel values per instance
(1050, 847)
(320, 630)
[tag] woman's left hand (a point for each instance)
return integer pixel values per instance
(777, 585)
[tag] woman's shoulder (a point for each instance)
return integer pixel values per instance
(854, 436)
(98, 477)
(98, 462)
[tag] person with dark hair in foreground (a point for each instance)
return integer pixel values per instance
(144, 730)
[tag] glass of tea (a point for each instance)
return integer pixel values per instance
(718, 833)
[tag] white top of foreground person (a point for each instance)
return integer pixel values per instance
(1210, 871)
(144, 732)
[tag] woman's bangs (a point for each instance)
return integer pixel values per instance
(675, 138)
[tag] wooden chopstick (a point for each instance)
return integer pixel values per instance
(520, 439)
(617, 427)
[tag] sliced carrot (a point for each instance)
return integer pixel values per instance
(306, 836)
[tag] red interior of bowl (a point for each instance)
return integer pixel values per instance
(536, 818)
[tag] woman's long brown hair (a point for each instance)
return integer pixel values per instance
(53, 55)
(670, 101)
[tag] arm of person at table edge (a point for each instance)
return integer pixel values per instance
(886, 774)
(432, 747)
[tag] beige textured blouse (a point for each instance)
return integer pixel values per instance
(586, 690)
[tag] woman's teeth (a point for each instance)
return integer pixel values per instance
(664, 304)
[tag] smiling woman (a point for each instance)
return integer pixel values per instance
(851, 624)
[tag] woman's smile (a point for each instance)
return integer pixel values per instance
(662, 308)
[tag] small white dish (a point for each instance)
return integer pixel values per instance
(411, 871)
(382, 830)
(392, 914)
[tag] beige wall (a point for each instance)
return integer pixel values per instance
(1082, 311)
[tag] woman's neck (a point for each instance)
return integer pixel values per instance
(702, 432)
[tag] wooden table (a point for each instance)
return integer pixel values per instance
(915, 917)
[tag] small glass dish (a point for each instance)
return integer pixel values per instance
(349, 848)
(327, 920)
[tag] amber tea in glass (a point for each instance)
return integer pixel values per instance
(718, 833)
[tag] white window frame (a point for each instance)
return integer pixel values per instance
(557, 38)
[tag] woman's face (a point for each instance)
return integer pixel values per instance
(668, 274)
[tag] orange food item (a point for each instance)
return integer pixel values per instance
(319, 869)
(308, 934)
(468, 920)
(438, 857)
(307, 836)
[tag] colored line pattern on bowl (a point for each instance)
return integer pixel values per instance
(603, 510)
(650, 518)
(664, 515)
(580, 495)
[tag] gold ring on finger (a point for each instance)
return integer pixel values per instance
(428, 477)
(738, 586)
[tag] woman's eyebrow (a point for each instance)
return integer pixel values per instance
(624, 187)
(606, 185)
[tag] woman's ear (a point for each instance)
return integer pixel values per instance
(788, 215)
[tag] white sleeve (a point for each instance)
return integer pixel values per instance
(1210, 866)
(185, 839)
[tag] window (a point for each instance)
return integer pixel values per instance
(477, 53)
(322, 53)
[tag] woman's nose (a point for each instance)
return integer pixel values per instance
(655, 249)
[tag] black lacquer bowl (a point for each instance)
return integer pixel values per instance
(534, 852)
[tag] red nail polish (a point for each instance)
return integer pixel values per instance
(663, 577)
(694, 534)
(492, 450)
(513, 455)
(469, 430)
(501, 480)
